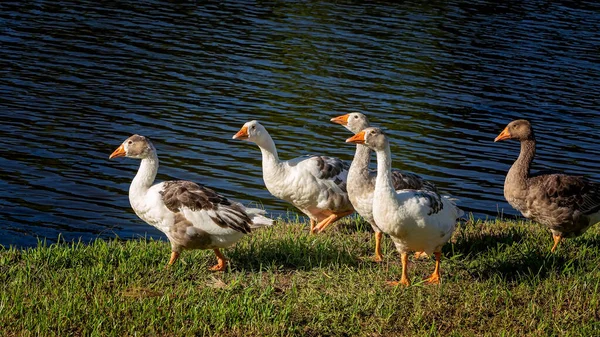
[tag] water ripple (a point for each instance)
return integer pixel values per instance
(443, 79)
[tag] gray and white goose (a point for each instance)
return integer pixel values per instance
(192, 216)
(361, 179)
(568, 205)
(412, 218)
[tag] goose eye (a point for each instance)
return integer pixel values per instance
(130, 142)
(253, 127)
(355, 116)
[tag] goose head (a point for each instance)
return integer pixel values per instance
(374, 138)
(354, 121)
(252, 131)
(519, 129)
(136, 146)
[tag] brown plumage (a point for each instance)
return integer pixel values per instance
(192, 216)
(181, 193)
(566, 204)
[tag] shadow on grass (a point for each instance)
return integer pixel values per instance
(533, 265)
(478, 242)
(587, 240)
(352, 225)
(290, 254)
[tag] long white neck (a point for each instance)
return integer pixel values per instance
(270, 160)
(384, 172)
(144, 178)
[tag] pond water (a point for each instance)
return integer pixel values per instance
(442, 77)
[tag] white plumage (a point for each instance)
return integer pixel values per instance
(416, 220)
(361, 179)
(316, 185)
(192, 216)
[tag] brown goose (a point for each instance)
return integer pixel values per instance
(192, 216)
(568, 205)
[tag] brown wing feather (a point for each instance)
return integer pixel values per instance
(574, 192)
(410, 181)
(331, 168)
(180, 193)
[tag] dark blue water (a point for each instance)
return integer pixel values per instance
(444, 78)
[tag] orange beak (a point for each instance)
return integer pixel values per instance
(242, 134)
(343, 120)
(358, 138)
(503, 135)
(119, 152)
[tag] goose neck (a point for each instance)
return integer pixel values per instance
(360, 163)
(270, 158)
(145, 176)
(384, 170)
(519, 171)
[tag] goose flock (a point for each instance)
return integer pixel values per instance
(406, 207)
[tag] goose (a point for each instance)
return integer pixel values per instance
(568, 205)
(361, 180)
(316, 185)
(416, 220)
(192, 216)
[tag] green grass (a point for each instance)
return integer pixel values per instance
(499, 279)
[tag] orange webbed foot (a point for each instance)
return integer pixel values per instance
(404, 279)
(404, 282)
(221, 262)
(433, 279)
(218, 267)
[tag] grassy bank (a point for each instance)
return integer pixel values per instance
(498, 279)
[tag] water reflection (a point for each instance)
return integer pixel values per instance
(443, 78)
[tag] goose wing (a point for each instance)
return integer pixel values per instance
(574, 192)
(330, 175)
(182, 196)
(329, 170)
(410, 181)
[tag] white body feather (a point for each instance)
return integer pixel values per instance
(148, 204)
(299, 181)
(406, 214)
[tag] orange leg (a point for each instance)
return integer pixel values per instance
(557, 239)
(378, 257)
(323, 224)
(174, 257)
(221, 261)
(420, 255)
(331, 219)
(404, 279)
(313, 224)
(435, 277)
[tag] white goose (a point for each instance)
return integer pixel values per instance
(417, 220)
(361, 180)
(316, 185)
(191, 216)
